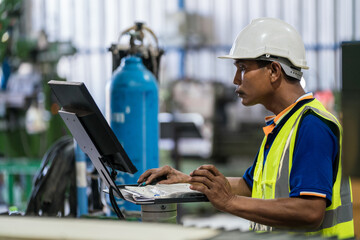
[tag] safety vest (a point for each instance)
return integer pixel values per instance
(270, 184)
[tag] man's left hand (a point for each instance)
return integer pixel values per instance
(208, 180)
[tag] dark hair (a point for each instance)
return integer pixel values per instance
(291, 79)
(263, 63)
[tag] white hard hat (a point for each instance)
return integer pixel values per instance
(269, 37)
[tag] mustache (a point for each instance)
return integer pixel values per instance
(239, 92)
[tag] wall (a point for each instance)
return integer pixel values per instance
(92, 25)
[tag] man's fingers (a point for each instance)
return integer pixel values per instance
(150, 175)
(204, 173)
(201, 180)
(199, 187)
(210, 168)
(145, 175)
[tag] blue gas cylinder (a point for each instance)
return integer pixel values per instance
(132, 110)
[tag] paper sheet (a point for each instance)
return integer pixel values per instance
(150, 192)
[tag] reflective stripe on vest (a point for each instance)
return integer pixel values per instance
(333, 217)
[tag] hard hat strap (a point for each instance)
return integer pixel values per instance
(289, 69)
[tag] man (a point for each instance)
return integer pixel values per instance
(296, 181)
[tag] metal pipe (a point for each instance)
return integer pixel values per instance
(336, 50)
(353, 36)
(301, 16)
(317, 21)
(182, 51)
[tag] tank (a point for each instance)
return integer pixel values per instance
(132, 111)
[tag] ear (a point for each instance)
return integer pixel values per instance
(275, 71)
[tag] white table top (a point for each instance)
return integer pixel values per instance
(15, 227)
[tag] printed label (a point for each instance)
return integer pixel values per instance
(118, 117)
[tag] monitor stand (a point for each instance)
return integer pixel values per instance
(149, 213)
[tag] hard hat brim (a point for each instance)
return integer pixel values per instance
(227, 57)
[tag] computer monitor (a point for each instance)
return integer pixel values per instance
(77, 104)
(93, 134)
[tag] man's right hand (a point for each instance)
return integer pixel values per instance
(163, 175)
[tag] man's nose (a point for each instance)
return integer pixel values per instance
(238, 78)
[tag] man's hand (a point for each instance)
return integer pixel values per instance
(208, 180)
(163, 175)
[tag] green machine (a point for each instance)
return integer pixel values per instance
(29, 123)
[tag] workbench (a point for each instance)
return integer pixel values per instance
(15, 227)
(29, 228)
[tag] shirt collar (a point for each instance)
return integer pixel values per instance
(271, 121)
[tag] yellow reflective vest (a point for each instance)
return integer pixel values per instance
(271, 180)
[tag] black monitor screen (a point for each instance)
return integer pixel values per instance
(74, 97)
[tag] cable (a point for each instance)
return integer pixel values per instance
(114, 204)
